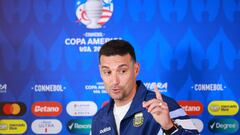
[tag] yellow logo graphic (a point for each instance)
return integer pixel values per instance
(225, 108)
(13, 126)
(138, 119)
(16, 109)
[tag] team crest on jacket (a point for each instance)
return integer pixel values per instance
(138, 119)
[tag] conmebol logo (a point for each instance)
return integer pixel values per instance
(46, 108)
(191, 107)
(46, 126)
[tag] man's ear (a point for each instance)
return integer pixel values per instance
(100, 71)
(137, 68)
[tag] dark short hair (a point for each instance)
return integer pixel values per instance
(117, 47)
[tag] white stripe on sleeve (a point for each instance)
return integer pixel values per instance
(177, 113)
(186, 124)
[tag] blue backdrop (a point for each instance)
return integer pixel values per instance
(48, 53)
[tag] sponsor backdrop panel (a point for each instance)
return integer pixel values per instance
(49, 79)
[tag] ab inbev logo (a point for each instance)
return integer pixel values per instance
(94, 13)
(12, 109)
(12, 126)
(223, 125)
(191, 107)
(82, 126)
(46, 108)
(81, 108)
(225, 108)
(46, 126)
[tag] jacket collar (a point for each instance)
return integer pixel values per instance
(136, 105)
(139, 97)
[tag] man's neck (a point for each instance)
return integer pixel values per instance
(126, 101)
(122, 103)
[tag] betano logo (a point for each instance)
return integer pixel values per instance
(12, 109)
(223, 125)
(12, 126)
(191, 107)
(82, 126)
(224, 108)
(46, 126)
(46, 108)
(94, 13)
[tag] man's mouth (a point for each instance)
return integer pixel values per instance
(116, 90)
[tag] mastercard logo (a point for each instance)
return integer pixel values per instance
(12, 109)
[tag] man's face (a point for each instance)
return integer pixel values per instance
(119, 76)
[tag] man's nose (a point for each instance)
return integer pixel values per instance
(115, 78)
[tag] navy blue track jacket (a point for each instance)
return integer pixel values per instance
(138, 121)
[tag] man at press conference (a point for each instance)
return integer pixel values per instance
(132, 108)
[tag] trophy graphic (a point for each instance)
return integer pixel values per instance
(93, 10)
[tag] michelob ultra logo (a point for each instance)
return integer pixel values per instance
(191, 107)
(46, 108)
(12, 126)
(82, 126)
(46, 126)
(12, 109)
(227, 107)
(223, 125)
(198, 124)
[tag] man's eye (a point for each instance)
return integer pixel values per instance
(107, 72)
(122, 71)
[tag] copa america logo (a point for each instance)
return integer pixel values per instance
(94, 13)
